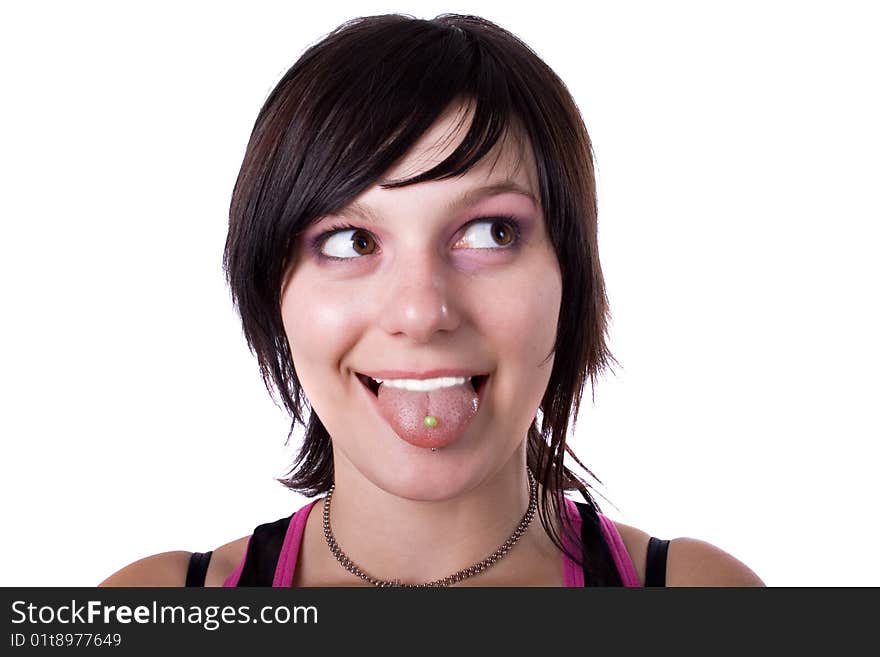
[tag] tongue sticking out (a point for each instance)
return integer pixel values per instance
(406, 410)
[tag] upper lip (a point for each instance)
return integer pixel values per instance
(428, 374)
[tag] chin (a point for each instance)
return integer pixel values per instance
(432, 484)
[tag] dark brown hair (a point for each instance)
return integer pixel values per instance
(350, 107)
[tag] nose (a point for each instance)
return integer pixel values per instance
(418, 299)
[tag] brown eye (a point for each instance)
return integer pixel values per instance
(502, 233)
(490, 234)
(362, 242)
(346, 244)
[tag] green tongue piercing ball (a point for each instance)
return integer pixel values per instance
(430, 421)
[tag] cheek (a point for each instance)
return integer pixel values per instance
(524, 320)
(318, 325)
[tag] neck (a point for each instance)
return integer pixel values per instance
(392, 537)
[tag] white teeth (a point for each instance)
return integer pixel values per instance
(423, 385)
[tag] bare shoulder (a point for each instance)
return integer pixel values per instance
(169, 568)
(163, 569)
(692, 562)
(689, 561)
(225, 560)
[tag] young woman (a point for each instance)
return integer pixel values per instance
(413, 251)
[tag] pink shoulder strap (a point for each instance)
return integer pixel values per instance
(621, 557)
(289, 551)
(574, 574)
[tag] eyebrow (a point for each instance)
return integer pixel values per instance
(470, 197)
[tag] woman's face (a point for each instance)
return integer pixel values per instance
(420, 285)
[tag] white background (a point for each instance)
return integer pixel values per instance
(737, 151)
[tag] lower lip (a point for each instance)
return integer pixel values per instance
(374, 402)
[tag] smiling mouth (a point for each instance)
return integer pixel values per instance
(373, 386)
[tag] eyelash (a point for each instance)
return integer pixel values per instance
(511, 222)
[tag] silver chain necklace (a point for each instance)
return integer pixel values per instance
(489, 561)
